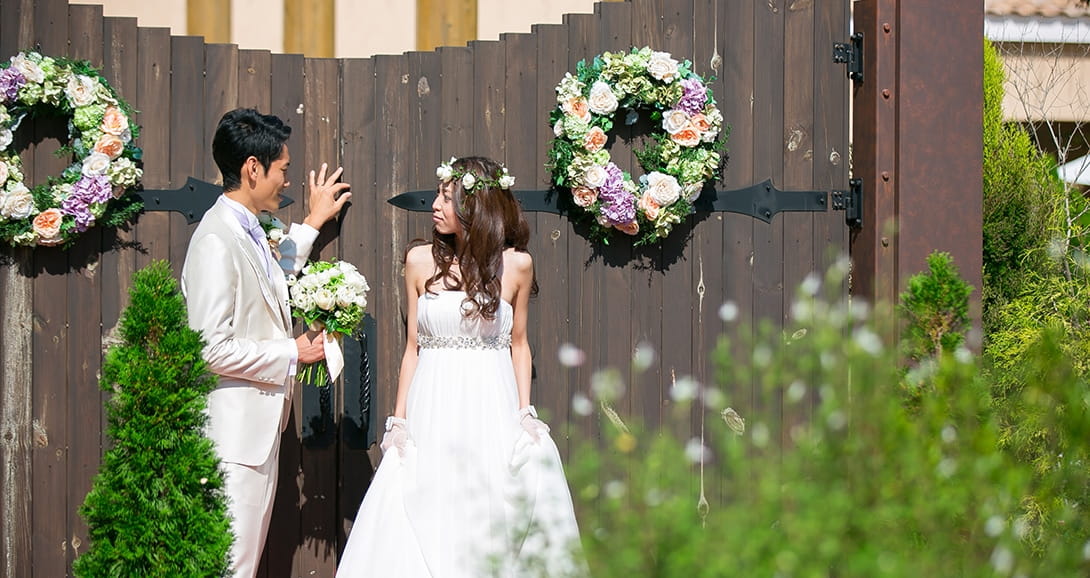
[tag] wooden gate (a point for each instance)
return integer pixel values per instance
(389, 120)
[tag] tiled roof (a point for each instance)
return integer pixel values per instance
(1045, 8)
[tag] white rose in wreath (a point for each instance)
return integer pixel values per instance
(662, 67)
(30, 70)
(17, 203)
(5, 138)
(595, 176)
(3, 173)
(95, 164)
(674, 121)
(602, 100)
(664, 189)
(80, 90)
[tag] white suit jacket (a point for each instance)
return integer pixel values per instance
(246, 323)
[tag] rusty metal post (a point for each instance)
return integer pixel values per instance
(917, 142)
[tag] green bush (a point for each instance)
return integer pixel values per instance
(1020, 191)
(936, 307)
(831, 474)
(157, 506)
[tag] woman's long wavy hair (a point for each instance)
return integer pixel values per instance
(491, 222)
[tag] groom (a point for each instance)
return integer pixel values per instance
(237, 298)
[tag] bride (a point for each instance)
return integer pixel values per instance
(473, 485)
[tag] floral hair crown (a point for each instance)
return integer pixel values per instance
(446, 173)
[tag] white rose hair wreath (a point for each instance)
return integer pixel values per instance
(682, 158)
(100, 131)
(446, 173)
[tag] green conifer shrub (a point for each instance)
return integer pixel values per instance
(157, 506)
(1020, 190)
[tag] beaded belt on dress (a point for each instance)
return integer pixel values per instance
(463, 342)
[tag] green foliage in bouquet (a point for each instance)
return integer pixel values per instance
(803, 460)
(157, 506)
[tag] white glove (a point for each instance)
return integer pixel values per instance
(529, 422)
(396, 436)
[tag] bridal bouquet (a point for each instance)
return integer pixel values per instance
(331, 296)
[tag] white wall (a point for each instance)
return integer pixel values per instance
(148, 13)
(494, 17)
(363, 27)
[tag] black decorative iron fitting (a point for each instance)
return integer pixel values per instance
(193, 199)
(762, 201)
(851, 202)
(851, 53)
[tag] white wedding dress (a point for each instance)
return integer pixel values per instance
(473, 495)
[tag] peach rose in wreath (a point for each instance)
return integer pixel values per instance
(114, 121)
(700, 122)
(649, 207)
(686, 137)
(110, 146)
(629, 228)
(578, 107)
(47, 225)
(584, 196)
(595, 139)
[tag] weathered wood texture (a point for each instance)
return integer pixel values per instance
(389, 120)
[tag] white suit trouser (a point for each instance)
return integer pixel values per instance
(250, 493)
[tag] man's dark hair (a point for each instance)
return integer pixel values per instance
(243, 133)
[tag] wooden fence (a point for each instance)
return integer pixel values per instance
(389, 120)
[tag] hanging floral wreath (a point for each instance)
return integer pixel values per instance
(100, 131)
(684, 156)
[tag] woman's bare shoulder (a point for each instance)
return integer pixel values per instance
(519, 261)
(419, 255)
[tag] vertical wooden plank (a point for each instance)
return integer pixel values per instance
(50, 476)
(798, 151)
(318, 456)
(707, 242)
(187, 126)
(425, 91)
(16, 310)
(831, 102)
(16, 401)
(457, 103)
(522, 120)
(709, 270)
(488, 85)
(551, 309)
(153, 105)
(323, 134)
(254, 73)
(221, 72)
(286, 545)
(359, 245)
(50, 27)
(736, 46)
(623, 285)
(768, 239)
(649, 295)
(16, 26)
(392, 167)
(583, 291)
(120, 68)
(84, 319)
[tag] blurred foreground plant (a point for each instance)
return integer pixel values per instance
(810, 463)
